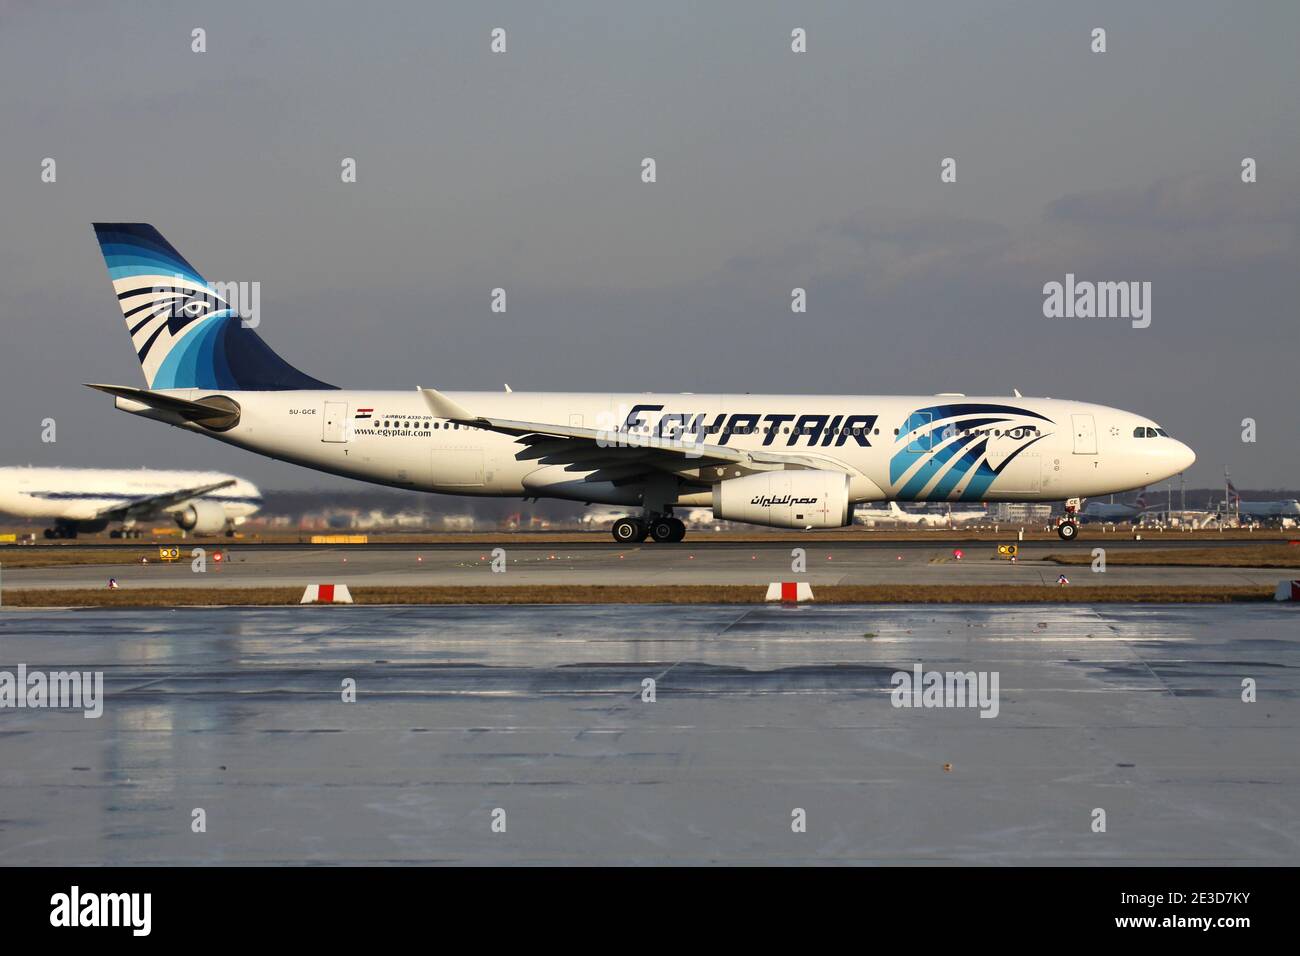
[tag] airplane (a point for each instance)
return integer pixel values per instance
(89, 499)
(1102, 511)
(783, 460)
(1281, 511)
(890, 513)
(950, 518)
(1270, 510)
(921, 519)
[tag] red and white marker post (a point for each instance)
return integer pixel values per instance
(326, 594)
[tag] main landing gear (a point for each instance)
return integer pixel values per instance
(660, 528)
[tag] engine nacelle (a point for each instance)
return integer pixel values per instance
(202, 517)
(786, 499)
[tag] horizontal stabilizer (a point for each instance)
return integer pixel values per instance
(216, 412)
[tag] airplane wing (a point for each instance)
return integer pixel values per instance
(152, 504)
(619, 455)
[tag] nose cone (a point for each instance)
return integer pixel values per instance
(1172, 457)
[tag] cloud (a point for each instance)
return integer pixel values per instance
(1192, 223)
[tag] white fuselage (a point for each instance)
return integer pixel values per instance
(1034, 449)
(81, 494)
(924, 519)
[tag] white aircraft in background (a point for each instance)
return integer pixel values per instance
(1113, 513)
(920, 519)
(951, 519)
(785, 460)
(89, 499)
(890, 514)
(1285, 511)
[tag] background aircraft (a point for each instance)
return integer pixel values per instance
(89, 499)
(1284, 511)
(893, 514)
(1108, 512)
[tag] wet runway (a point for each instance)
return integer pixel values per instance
(538, 712)
(610, 564)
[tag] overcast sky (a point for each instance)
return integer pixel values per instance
(775, 170)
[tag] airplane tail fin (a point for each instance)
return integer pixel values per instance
(184, 329)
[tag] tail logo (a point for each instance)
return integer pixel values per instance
(171, 306)
(186, 331)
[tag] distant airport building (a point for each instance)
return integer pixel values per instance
(1020, 512)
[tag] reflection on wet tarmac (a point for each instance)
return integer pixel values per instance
(539, 710)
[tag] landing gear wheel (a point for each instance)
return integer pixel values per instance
(679, 529)
(662, 530)
(1068, 530)
(628, 531)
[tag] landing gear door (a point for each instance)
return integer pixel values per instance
(334, 422)
(1085, 435)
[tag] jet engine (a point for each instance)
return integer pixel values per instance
(786, 499)
(202, 517)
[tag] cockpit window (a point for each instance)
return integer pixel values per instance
(1143, 431)
(1140, 432)
(1162, 433)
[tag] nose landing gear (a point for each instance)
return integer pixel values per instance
(1068, 526)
